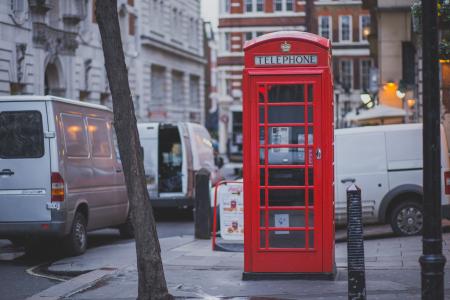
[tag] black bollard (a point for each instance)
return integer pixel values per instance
(355, 245)
(202, 205)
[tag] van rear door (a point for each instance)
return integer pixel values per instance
(148, 135)
(25, 186)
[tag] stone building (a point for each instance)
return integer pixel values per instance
(54, 47)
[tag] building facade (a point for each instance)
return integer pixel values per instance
(397, 56)
(54, 47)
(347, 25)
(344, 22)
(240, 21)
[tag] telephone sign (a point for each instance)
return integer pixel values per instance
(288, 156)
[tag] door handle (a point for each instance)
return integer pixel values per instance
(318, 153)
(345, 180)
(6, 172)
(118, 170)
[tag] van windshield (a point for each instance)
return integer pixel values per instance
(21, 134)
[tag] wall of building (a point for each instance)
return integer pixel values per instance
(236, 26)
(351, 57)
(154, 33)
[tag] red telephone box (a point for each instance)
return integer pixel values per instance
(288, 156)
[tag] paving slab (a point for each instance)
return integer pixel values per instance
(193, 270)
(112, 256)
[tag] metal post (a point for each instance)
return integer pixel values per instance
(432, 261)
(202, 205)
(355, 245)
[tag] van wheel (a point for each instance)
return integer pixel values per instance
(126, 229)
(407, 218)
(76, 242)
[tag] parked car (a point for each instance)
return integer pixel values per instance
(60, 172)
(173, 153)
(386, 163)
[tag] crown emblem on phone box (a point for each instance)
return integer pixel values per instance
(285, 47)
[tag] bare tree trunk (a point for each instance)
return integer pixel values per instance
(152, 284)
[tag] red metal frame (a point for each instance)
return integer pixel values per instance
(317, 257)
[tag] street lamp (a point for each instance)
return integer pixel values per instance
(432, 261)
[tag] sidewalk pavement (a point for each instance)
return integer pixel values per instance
(194, 271)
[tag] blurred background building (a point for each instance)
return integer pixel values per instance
(347, 25)
(344, 22)
(240, 21)
(395, 49)
(54, 47)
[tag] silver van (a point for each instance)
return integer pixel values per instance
(386, 162)
(60, 172)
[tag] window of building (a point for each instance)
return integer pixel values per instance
(346, 74)
(325, 26)
(194, 91)
(365, 65)
(248, 36)
(278, 5)
(259, 33)
(158, 84)
(53, 14)
(190, 33)
(161, 16)
(289, 5)
(94, 18)
(154, 14)
(177, 88)
(227, 42)
(99, 136)
(248, 5)
(180, 25)
(364, 27)
(17, 6)
(84, 95)
(408, 68)
(16, 88)
(131, 24)
(345, 30)
(104, 98)
(174, 22)
(226, 6)
(259, 5)
(228, 86)
(21, 134)
(130, 2)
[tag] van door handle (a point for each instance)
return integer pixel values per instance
(118, 170)
(345, 180)
(6, 172)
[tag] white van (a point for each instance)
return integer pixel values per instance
(173, 153)
(386, 163)
(60, 173)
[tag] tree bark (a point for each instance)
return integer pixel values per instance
(152, 283)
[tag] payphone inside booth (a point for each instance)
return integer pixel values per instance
(288, 156)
